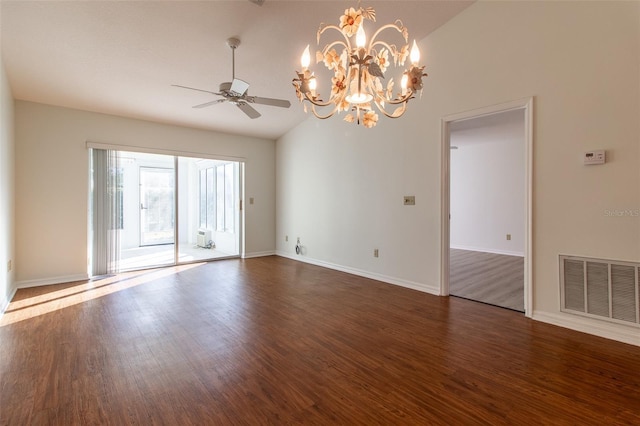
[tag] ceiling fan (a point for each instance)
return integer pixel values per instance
(235, 92)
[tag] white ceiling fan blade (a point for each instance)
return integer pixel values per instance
(239, 87)
(193, 88)
(206, 104)
(248, 109)
(270, 101)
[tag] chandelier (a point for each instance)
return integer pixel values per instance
(359, 66)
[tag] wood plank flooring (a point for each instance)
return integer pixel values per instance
(487, 277)
(271, 341)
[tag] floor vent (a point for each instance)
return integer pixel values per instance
(602, 289)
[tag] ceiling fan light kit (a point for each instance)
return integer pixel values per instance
(359, 67)
(236, 91)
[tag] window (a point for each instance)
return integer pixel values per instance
(217, 200)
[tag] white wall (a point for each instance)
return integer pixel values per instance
(488, 184)
(340, 187)
(7, 193)
(52, 182)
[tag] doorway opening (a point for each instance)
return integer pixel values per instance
(151, 210)
(486, 241)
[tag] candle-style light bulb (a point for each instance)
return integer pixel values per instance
(415, 54)
(313, 83)
(403, 83)
(305, 60)
(361, 37)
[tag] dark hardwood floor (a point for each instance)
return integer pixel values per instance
(274, 341)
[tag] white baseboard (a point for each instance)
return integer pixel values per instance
(258, 254)
(425, 288)
(618, 332)
(489, 250)
(5, 303)
(51, 281)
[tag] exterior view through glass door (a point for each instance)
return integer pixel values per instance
(173, 210)
(156, 206)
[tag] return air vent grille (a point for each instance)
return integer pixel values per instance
(600, 289)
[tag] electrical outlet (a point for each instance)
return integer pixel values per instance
(508, 237)
(250, 200)
(375, 252)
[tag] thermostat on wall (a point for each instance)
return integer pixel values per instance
(594, 157)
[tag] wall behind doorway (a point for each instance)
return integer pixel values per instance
(488, 183)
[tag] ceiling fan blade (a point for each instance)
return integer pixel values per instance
(206, 104)
(248, 109)
(193, 88)
(239, 87)
(270, 101)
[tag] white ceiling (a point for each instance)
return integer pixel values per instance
(121, 57)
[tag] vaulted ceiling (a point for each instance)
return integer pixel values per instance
(122, 57)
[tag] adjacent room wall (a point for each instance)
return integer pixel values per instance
(7, 193)
(52, 182)
(488, 184)
(340, 187)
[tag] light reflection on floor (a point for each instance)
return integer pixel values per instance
(52, 298)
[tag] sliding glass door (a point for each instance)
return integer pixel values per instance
(171, 210)
(157, 206)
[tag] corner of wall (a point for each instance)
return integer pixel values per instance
(7, 192)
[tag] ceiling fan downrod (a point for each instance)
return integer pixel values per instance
(233, 43)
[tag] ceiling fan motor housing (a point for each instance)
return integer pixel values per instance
(225, 87)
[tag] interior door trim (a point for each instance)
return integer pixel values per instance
(525, 104)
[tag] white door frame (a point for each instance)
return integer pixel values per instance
(525, 104)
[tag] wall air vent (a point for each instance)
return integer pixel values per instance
(603, 289)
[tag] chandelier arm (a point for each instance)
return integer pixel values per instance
(403, 99)
(332, 27)
(393, 50)
(316, 103)
(393, 26)
(329, 46)
(323, 117)
(390, 115)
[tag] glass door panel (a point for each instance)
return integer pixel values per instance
(157, 204)
(208, 200)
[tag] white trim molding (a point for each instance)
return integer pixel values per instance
(489, 250)
(525, 104)
(259, 254)
(425, 288)
(52, 281)
(7, 302)
(599, 328)
(175, 153)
